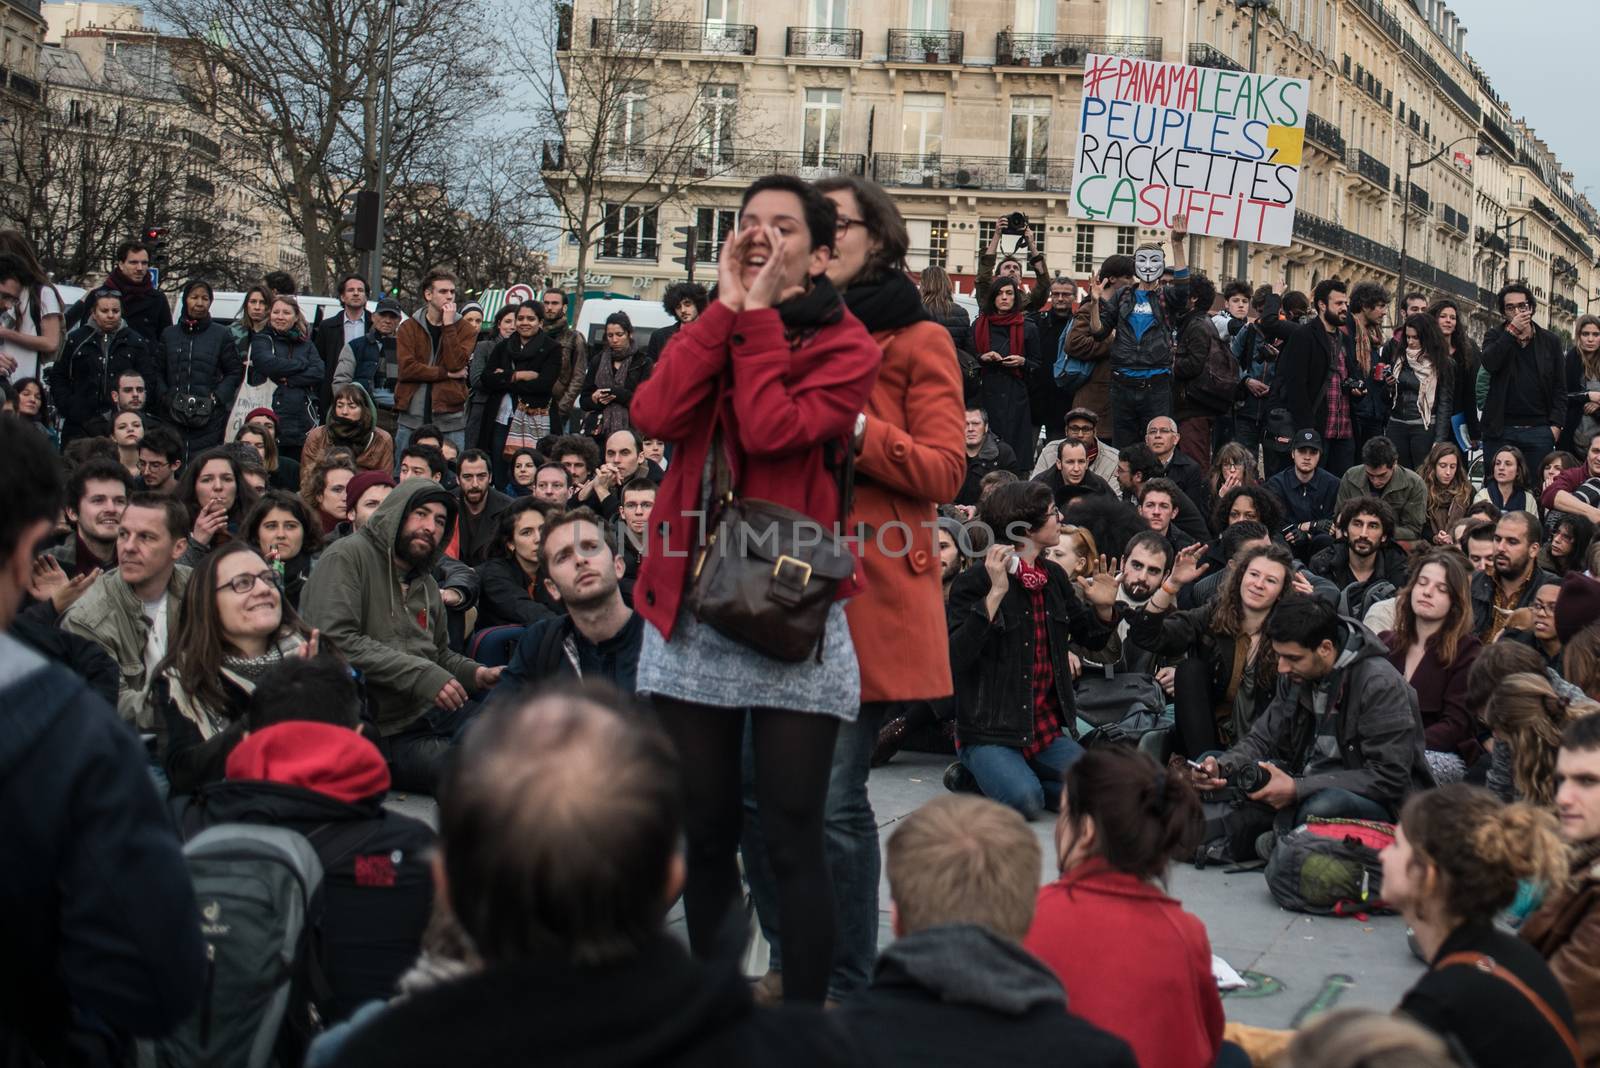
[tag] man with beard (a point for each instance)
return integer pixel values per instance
(481, 505)
(1502, 598)
(600, 635)
(96, 495)
(1381, 475)
(684, 301)
(1317, 375)
(950, 537)
(1369, 399)
(1071, 477)
(1145, 564)
(574, 358)
(160, 460)
(1367, 554)
(374, 596)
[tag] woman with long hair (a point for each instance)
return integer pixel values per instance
(235, 625)
(773, 372)
(1449, 492)
(1114, 938)
(937, 293)
(1228, 673)
(214, 491)
(1455, 862)
(127, 428)
(1421, 386)
(34, 407)
(524, 473)
(260, 432)
(1248, 504)
(325, 489)
(1007, 342)
(1580, 660)
(1583, 376)
(287, 535)
(1526, 713)
(613, 377)
(1505, 483)
(252, 317)
(354, 427)
(283, 352)
(30, 333)
(1553, 465)
(1433, 646)
(1232, 467)
(1464, 361)
(518, 380)
(1568, 548)
(510, 587)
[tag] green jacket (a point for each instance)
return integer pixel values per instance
(110, 615)
(1406, 493)
(395, 635)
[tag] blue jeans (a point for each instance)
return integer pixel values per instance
(1136, 401)
(1006, 776)
(1339, 804)
(1535, 442)
(851, 831)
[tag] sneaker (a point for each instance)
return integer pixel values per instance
(958, 780)
(1264, 844)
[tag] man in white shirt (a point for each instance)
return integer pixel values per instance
(335, 332)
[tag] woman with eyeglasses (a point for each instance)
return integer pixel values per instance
(235, 625)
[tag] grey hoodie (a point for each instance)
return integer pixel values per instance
(964, 964)
(1376, 724)
(390, 625)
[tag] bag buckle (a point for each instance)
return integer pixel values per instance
(787, 559)
(789, 579)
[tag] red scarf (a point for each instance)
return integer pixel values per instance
(1032, 576)
(1013, 322)
(118, 281)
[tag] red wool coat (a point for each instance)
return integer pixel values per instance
(912, 459)
(1122, 948)
(778, 408)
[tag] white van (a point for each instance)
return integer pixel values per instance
(225, 307)
(647, 317)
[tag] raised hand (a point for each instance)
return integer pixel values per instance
(1101, 583)
(730, 288)
(1187, 566)
(768, 290)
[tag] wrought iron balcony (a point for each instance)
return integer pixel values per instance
(1562, 303)
(1519, 243)
(1335, 238)
(926, 46)
(1431, 276)
(22, 86)
(649, 36)
(1492, 241)
(687, 164)
(1368, 167)
(1067, 50)
(1204, 55)
(1324, 134)
(987, 173)
(1420, 200)
(822, 42)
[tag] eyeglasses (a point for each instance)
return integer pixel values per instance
(1516, 306)
(153, 465)
(1544, 608)
(845, 222)
(243, 584)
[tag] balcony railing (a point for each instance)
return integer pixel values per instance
(987, 173)
(648, 36)
(1067, 50)
(1492, 241)
(1519, 243)
(822, 42)
(1204, 55)
(1420, 201)
(1429, 275)
(196, 184)
(689, 164)
(1321, 132)
(1456, 220)
(1332, 236)
(926, 46)
(1369, 167)
(1563, 303)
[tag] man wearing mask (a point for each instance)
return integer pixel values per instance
(1501, 597)
(201, 370)
(574, 358)
(1317, 380)
(334, 333)
(1527, 401)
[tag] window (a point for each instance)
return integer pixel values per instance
(629, 232)
(930, 242)
(1128, 18)
(717, 105)
(1008, 244)
(1035, 16)
(929, 15)
(1030, 134)
(1083, 254)
(712, 227)
(830, 14)
(628, 126)
(721, 10)
(633, 9)
(819, 136)
(922, 125)
(1126, 238)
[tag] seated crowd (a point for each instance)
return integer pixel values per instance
(1184, 626)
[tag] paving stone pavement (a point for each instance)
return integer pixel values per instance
(1298, 965)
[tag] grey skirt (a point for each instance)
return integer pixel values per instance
(701, 666)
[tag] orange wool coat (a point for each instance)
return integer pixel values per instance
(913, 458)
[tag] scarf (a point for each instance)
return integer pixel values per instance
(353, 434)
(1013, 322)
(610, 375)
(887, 303)
(1427, 384)
(810, 311)
(119, 281)
(194, 326)
(253, 667)
(1364, 340)
(1032, 576)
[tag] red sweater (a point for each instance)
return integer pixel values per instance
(778, 407)
(1567, 481)
(1121, 947)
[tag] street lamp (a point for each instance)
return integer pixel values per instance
(1256, 7)
(384, 131)
(1405, 213)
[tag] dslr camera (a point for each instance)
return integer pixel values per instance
(1246, 780)
(1016, 224)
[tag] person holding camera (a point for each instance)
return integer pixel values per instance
(1527, 401)
(1308, 495)
(1012, 225)
(1342, 736)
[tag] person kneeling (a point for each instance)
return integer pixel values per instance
(956, 987)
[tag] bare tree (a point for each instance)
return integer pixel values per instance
(303, 82)
(623, 129)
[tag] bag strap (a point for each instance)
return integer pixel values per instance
(1487, 965)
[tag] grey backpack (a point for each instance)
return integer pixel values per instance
(259, 890)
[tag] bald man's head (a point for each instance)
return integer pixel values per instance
(559, 824)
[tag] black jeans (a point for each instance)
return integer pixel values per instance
(1136, 401)
(1535, 442)
(417, 755)
(1411, 441)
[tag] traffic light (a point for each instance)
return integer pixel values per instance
(155, 239)
(366, 221)
(691, 238)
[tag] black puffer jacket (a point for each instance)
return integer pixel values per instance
(509, 355)
(292, 362)
(199, 356)
(82, 380)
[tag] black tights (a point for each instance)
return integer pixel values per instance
(793, 758)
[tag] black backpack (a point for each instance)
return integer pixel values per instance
(1218, 381)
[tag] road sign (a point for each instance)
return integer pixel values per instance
(519, 294)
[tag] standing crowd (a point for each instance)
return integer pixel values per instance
(1187, 568)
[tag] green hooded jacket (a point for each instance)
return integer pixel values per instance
(389, 624)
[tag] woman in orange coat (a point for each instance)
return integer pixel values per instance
(910, 457)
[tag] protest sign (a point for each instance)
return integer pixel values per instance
(1158, 139)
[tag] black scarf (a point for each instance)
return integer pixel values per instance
(817, 307)
(195, 326)
(887, 303)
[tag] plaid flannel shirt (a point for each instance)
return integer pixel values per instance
(1047, 726)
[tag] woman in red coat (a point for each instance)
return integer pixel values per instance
(1118, 943)
(779, 370)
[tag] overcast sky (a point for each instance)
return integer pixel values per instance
(1536, 62)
